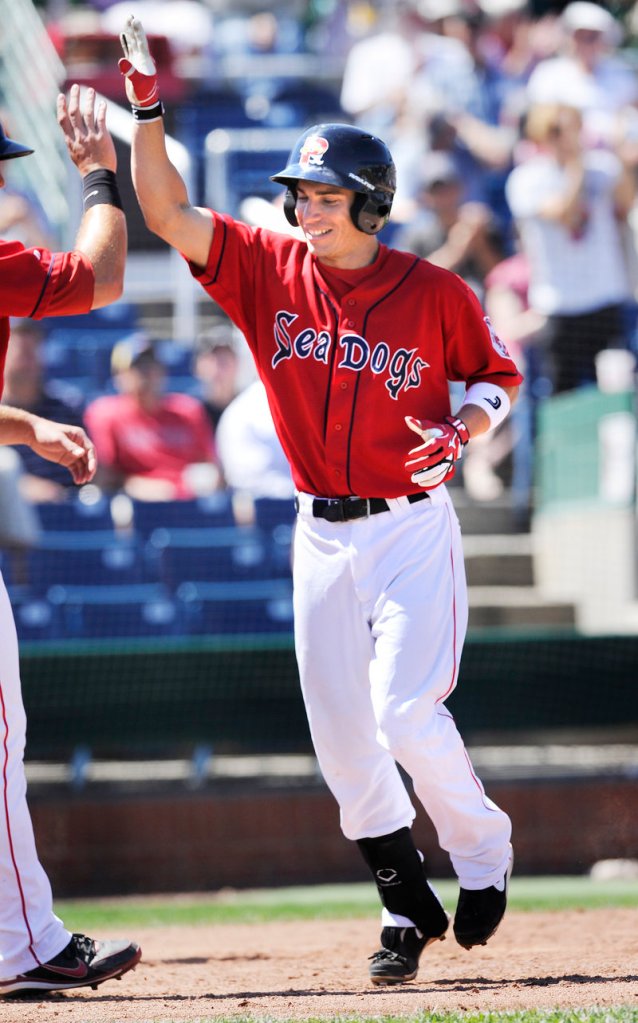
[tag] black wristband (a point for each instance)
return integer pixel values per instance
(100, 186)
(148, 113)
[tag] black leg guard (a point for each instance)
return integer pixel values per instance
(401, 881)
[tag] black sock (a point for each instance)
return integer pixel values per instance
(401, 881)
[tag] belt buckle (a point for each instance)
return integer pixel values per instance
(335, 506)
(356, 502)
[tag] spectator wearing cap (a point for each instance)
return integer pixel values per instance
(588, 72)
(154, 445)
(464, 237)
(217, 368)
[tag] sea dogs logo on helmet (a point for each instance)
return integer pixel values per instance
(313, 151)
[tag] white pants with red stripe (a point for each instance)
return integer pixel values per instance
(380, 619)
(30, 932)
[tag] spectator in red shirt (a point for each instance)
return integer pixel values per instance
(156, 446)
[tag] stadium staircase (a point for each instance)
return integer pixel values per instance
(499, 562)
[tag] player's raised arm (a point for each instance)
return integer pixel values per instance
(159, 187)
(102, 233)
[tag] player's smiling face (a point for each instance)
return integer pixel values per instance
(323, 214)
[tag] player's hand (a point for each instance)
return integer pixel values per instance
(66, 445)
(137, 65)
(434, 461)
(87, 139)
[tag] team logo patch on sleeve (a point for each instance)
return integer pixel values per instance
(497, 344)
(313, 151)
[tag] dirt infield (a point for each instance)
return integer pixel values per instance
(295, 971)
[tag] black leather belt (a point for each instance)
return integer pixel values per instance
(343, 509)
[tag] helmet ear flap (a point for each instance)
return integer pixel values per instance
(290, 203)
(370, 212)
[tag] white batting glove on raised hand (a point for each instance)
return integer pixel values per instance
(137, 66)
(434, 461)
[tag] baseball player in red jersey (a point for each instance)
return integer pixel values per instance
(37, 953)
(355, 344)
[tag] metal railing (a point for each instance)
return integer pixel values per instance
(31, 75)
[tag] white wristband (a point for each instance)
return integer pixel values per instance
(492, 399)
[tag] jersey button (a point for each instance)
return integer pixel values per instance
(351, 301)
(350, 323)
(337, 427)
(343, 385)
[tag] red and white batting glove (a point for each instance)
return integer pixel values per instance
(139, 70)
(434, 461)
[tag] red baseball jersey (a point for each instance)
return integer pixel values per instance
(346, 355)
(35, 283)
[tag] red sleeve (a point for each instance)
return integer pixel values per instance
(35, 282)
(474, 352)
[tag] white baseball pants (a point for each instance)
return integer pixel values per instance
(380, 619)
(30, 932)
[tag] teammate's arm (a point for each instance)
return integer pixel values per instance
(102, 233)
(159, 187)
(57, 442)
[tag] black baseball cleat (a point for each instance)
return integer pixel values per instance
(83, 963)
(397, 961)
(478, 913)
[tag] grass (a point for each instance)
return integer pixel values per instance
(322, 902)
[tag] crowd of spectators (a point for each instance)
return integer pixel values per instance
(514, 127)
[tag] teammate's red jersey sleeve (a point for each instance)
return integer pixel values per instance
(35, 283)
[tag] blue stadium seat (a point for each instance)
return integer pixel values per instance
(219, 554)
(115, 612)
(121, 316)
(271, 512)
(275, 517)
(36, 618)
(177, 358)
(75, 514)
(5, 568)
(98, 558)
(79, 357)
(248, 607)
(214, 510)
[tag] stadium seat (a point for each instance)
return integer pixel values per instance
(36, 618)
(214, 510)
(271, 512)
(116, 612)
(121, 316)
(75, 514)
(79, 357)
(239, 163)
(222, 554)
(99, 558)
(248, 607)
(275, 517)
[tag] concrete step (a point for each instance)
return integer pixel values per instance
(499, 560)
(516, 607)
(485, 517)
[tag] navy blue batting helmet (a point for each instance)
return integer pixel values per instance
(9, 149)
(349, 157)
